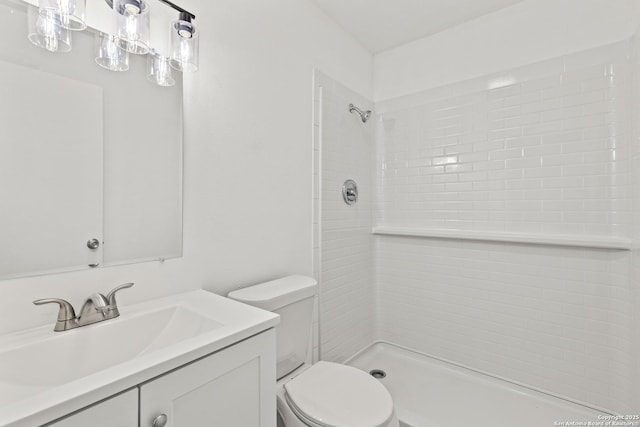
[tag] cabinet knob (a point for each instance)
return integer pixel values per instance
(160, 421)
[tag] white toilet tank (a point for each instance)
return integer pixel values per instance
(292, 298)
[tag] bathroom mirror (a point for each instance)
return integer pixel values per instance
(90, 159)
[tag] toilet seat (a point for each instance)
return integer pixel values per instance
(333, 395)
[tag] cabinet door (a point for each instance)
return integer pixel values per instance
(119, 411)
(51, 160)
(234, 387)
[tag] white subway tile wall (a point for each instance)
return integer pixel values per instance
(542, 150)
(548, 154)
(558, 319)
(635, 167)
(345, 247)
(315, 208)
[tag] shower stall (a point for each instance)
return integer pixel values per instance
(495, 233)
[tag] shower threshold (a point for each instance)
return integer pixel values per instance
(428, 392)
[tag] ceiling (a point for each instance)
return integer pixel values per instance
(383, 24)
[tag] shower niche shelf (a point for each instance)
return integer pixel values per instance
(598, 242)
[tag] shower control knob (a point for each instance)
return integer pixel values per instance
(350, 192)
(159, 421)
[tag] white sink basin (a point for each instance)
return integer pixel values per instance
(45, 374)
(66, 356)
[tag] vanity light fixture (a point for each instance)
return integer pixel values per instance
(50, 26)
(133, 24)
(45, 30)
(71, 12)
(109, 55)
(159, 70)
(184, 43)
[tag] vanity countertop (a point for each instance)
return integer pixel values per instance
(45, 375)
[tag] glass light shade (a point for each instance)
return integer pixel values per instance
(133, 25)
(109, 55)
(72, 12)
(45, 30)
(159, 70)
(184, 46)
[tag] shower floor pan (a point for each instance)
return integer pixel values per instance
(431, 393)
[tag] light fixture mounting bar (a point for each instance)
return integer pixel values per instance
(168, 3)
(178, 8)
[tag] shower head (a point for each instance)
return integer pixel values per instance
(364, 115)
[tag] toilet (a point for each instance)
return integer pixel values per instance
(323, 394)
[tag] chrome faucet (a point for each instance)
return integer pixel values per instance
(96, 308)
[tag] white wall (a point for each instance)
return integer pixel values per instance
(511, 123)
(543, 157)
(345, 151)
(547, 152)
(635, 176)
(557, 319)
(248, 121)
(527, 32)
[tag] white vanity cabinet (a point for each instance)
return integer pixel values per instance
(198, 358)
(234, 387)
(118, 411)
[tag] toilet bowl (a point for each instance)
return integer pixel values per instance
(323, 394)
(333, 395)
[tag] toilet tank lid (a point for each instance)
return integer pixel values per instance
(277, 293)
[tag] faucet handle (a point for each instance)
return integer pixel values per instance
(66, 314)
(66, 311)
(111, 296)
